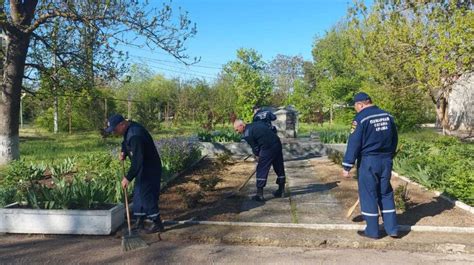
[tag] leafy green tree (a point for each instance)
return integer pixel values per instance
(334, 69)
(28, 23)
(148, 99)
(306, 100)
(284, 70)
(409, 48)
(252, 85)
(224, 99)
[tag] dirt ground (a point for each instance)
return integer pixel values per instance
(211, 205)
(423, 208)
(224, 202)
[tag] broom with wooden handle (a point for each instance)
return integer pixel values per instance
(351, 210)
(130, 241)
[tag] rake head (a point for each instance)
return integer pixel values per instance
(132, 242)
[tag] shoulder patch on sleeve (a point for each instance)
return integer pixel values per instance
(353, 126)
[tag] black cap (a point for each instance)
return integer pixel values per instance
(361, 96)
(113, 121)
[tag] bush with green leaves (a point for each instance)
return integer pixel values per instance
(443, 163)
(224, 136)
(176, 155)
(7, 195)
(73, 183)
(86, 181)
(77, 193)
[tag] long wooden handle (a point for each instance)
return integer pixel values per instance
(126, 202)
(351, 210)
(247, 180)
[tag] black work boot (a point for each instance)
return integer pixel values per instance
(140, 223)
(156, 227)
(280, 192)
(259, 196)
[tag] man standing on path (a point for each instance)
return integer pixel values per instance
(373, 142)
(259, 114)
(266, 146)
(145, 168)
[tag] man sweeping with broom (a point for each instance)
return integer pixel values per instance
(145, 168)
(373, 143)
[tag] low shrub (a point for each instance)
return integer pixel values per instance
(224, 136)
(441, 162)
(176, 155)
(401, 197)
(224, 158)
(209, 183)
(334, 136)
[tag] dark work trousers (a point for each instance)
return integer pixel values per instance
(145, 198)
(375, 191)
(272, 156)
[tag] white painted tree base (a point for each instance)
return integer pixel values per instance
(9, 148)
(78, 222)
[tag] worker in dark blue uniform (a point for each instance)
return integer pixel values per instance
(260, 114)
(373, 143)
(266, 146)
(145, 168)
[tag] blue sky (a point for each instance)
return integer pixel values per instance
(270, 27)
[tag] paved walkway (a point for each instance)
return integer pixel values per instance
(307, 201)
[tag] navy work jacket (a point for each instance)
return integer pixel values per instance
(259, 136)
(145, 161)
(373, 133)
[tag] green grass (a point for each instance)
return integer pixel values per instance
(41, 146)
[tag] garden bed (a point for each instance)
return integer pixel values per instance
(185, 198)
(17, 219)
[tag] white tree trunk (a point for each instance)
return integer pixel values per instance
(10, 97)
(56, 115)
(9, 148)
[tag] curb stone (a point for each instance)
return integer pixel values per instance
(310, 238)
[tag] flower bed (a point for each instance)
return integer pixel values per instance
(176, 155)
(69, 197)
(225, 136)
(334, 136)
(442, 163)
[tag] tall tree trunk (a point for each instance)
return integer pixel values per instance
(442, 113)
(440, 99)
(14, 69)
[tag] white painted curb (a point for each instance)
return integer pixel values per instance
(417, 228)
(459, 204)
